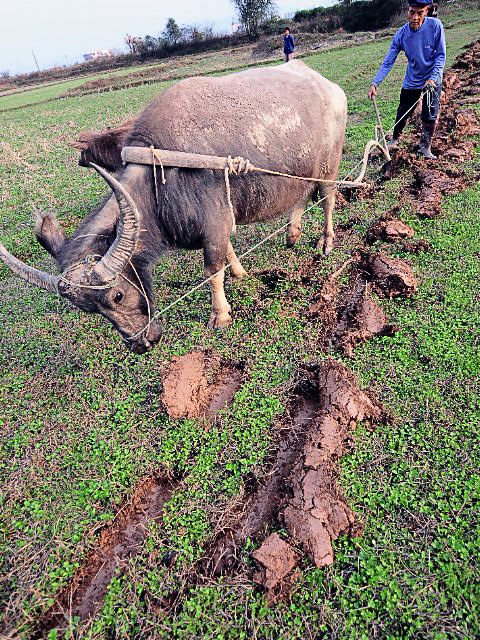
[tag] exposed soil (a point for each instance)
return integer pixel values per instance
(276, 559)
(429, 187)
(187, 392)
(318, 513)
(323, 308)
(116, 544)
(262, 507)
(359, 317)
(389, 276)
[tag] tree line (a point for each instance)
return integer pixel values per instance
(257, 17)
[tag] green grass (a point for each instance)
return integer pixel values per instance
(82, 420)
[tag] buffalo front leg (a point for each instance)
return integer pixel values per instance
(221, 310)
(235, 265)
(327, 194)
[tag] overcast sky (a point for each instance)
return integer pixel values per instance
(60, 31)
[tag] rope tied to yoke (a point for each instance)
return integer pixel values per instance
(156, 155)
(240, 165)
(234, 166)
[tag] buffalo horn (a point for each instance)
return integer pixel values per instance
(34, 276)
(128, 230)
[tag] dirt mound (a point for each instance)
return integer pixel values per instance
(429, 187)
(187, 392)
(389, 276)
(389, 228)
(322, 308)
(185, 387)
(116, 544)
(470, 59)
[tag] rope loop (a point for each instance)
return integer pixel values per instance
(239, 165)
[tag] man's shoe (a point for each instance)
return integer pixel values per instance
(393, 144)
(426, 140)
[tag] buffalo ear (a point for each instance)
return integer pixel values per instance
(49, 234)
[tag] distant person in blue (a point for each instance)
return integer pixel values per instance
(423, 41)
(288, 45)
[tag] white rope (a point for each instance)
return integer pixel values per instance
(258, 244)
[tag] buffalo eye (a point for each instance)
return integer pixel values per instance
(118, 297)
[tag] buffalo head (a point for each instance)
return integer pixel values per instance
(108, 284)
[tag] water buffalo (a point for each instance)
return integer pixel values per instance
(286, 118)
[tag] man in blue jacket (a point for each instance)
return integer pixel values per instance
(423, 41)
(288, 45)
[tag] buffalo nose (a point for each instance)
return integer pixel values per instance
(148, 340)
(154, 333)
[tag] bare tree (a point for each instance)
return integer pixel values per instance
(252, 13)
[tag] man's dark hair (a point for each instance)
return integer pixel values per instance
(287, 29)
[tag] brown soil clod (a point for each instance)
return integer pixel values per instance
(262, 507)
(322, 308)
(276, 558)
(187, 392)
(317, 513)
(389, 228)
(391, 277)
(430, 186)
(301, 493)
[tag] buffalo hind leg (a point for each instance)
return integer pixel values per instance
(294, 228)
(235, 265)
(327, 196)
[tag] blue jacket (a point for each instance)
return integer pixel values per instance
(425, 50)
(288, 44)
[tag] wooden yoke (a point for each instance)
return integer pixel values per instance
(144, 155)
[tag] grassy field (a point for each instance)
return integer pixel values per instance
(82, 421)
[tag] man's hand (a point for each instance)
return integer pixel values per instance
(373, 91)
(429, 82)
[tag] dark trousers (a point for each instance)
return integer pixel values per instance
(408, 97)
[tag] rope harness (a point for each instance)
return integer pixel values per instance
(271, 235)
(234, 166)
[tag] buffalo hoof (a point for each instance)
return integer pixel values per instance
(325, 245)
(238, 273)
(219, 320)
(292, 239)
